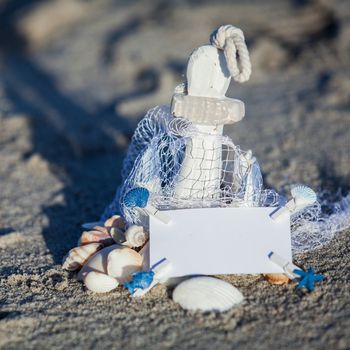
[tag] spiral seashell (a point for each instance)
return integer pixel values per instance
(122, 263)
(136, 236)
(303, 195)
(78, 256)
(99, 282)
(207, 294)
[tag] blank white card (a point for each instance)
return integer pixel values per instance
(213, 241)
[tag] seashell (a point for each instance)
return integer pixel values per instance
(136, 197)
(115, 221)
(276, 278)
(91, 225)
(136, 236)
(99, 282)
(98, 262)
(117, 234)
(206, 294)
(96, 236)
(120, 266)
(122, 263)
(77, 256)
(303, 195)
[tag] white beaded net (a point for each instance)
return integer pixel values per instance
(184, 167)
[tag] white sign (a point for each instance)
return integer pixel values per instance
(213, 241)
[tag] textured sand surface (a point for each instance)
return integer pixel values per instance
(75, 77)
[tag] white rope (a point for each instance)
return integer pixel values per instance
(231, 40)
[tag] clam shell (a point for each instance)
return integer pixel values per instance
(122, 263)
(78, 256)
(276, 278)
(116, 260)
(206, 294)
(99, 282)
(136, 236)
(98, 262)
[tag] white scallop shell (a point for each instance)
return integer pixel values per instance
(122, 263)
(78, 256)
(99, 282)
(207, 294)
(303, 195)
(136, 236)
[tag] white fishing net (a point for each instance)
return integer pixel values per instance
(184, 167)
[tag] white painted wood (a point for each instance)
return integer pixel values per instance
(200, 173)
(207, 73)
(207, 78)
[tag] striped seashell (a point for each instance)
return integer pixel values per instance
(78, 256)
(136, 236)
(99, 282)
(303, 195)
(91, 225)
(100, 235)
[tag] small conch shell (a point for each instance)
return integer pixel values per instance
(122, 263)
(98, 235)
(136, 236)
(99, 282)
(77, 256)
(207, 294)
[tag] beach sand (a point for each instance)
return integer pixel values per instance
(75, 78)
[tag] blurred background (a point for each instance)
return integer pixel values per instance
(75, 78)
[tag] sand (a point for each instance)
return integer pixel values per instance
(75, 79)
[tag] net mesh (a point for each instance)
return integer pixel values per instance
(185, 167)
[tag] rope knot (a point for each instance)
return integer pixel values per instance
(231, 40)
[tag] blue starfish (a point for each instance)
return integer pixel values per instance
(308, 278)
(140, 280)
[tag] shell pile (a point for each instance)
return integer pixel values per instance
(105, 254)
(106, 258)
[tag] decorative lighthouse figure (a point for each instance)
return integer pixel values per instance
(209, 73)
